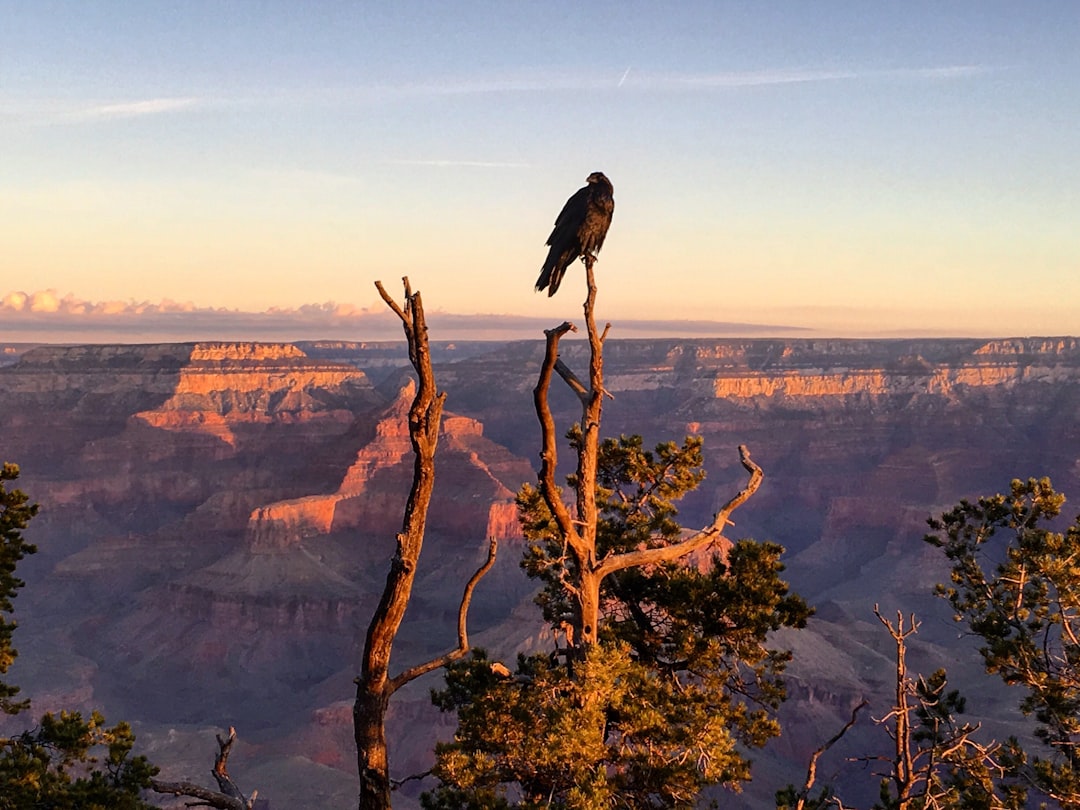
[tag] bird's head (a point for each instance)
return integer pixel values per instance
(597, 177)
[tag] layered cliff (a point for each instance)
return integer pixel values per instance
(991, 364)
(770, 369)
(86, 395)
(376, 479)
(218, 522)
(218, 517)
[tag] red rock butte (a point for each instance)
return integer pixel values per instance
(218, 517)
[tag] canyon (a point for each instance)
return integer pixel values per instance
(217, 520)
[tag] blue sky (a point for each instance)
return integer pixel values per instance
(852, 168)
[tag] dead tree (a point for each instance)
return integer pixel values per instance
(578, 528)
(936, 762)
(226, 797)
(904, 776)
(935, 757)
(799, 799)
(374, 686)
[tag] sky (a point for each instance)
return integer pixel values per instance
(199, 169)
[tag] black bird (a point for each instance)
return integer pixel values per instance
(579, 231)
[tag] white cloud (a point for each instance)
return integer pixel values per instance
(46, 316)
(50, 302)
(45, 112)
(136, 109)
(774, 77)
(946, 72)
(14, 302)
(45, 301)
(51, 111)
(644, 80)
(737, 79)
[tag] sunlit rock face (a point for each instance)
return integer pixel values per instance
(218, 517)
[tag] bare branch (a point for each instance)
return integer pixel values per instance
(549, 453)
(416, 777)
(898, 632)
(462, 648)
(425, 415)
(651, 556)
(571, 379)
(228, 795)
(390, 302)
(811, 770)
(373, 686)
(221, 763)
(206, 797)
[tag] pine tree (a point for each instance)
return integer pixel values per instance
(16, 511)
(66, 761)
(679, 686)
(666, 679)
(1016, 584)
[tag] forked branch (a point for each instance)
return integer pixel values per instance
(652, 556)
(811, 769)
(578, 529)
(571, 379)
(462, 649)
(228, 795)
(549, 453)
(425, 415)
(374, 686)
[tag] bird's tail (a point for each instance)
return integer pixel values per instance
(551, 275)
(556, 278)
(545, 279)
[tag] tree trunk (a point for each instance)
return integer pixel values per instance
(586, 634)
(583, 546)
(369, 713)
(374, 686)
(580, 530)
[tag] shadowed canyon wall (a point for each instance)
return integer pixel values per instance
(217, 518)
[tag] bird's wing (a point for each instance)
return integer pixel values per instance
(570, 218)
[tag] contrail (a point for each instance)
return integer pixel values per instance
(481, 164)
(623, 79)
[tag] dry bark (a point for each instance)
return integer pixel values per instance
(227, 797)
(374, 685)
(811, 769)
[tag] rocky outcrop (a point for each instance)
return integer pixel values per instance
(1039, 347)
(476, 479)
(769, 374)
(764, 370)
(91, 400)
(503, 523)
(927, 379)
(376, 479)
(83, 370)
(388, 448)
(280, 525)
(221, 384)
(218, 517)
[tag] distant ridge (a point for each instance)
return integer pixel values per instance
(318, 324)
(220, 516)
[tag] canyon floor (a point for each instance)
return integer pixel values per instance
(217, 520)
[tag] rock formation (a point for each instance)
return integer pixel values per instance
(218, 517)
